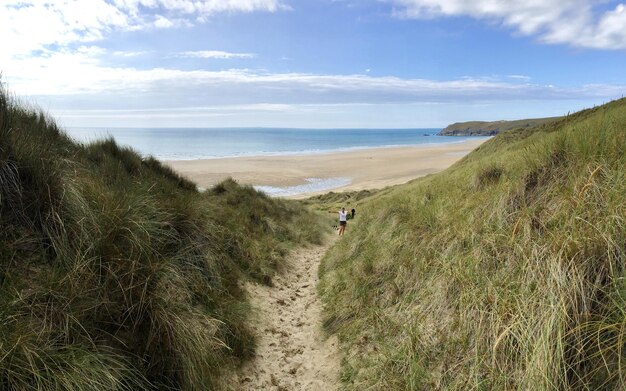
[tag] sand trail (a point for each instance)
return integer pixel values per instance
(292, 353)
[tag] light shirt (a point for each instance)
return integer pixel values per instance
(343, 216)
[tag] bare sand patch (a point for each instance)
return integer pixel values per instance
(292, 353)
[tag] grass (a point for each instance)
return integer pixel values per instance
(483, 128)
(504, 272)
(116, 273)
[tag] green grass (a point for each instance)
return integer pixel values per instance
(116, 273)
(483, 128)
(504, 272)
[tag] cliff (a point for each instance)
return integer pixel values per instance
(485, 128)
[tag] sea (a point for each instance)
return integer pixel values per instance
(216, 143)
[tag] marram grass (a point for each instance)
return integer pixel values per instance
(115, 273)
(504, 272)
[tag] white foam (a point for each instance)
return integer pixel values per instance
(306, 152)
(313, 185)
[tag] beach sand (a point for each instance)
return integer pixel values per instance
(366, 169)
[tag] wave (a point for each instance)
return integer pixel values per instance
(307, 151)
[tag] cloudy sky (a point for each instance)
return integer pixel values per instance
(311, 63)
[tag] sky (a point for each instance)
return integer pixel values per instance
(310, 63)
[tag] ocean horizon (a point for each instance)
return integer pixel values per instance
(215, 143)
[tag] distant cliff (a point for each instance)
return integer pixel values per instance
(483, 128)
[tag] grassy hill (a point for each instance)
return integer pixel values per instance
(483, 128)
(506, 271)
(115, 273)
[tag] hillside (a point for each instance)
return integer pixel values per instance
(483, 128)
(504, 272)
(116, 273)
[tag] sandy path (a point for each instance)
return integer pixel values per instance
(293, 353)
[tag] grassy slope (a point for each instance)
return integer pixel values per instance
(332, 202)
(115, 273)
(482, 128)
(505, 271)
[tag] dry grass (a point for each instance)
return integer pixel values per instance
(504, 272)
(115, 273)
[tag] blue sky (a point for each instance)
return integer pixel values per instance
(324, 63)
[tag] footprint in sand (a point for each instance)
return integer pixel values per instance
(284, 343)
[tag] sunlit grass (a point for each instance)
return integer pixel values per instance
(503, 272)
(116, 273)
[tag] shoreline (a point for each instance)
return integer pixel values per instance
(310, 152)
(370, 168)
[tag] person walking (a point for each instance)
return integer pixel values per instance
(343, 221)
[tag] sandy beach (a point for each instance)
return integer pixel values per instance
(353, 170)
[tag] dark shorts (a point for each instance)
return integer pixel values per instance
(342, 223)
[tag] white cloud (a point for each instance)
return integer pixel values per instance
(214, 54)
(397, 115)
(28, 26)
(201, 7)
(579, 23)
(177, 112)
(126, 53)
(84, 74)
(81, 72)
(520, 77)
(48, 51)
(162, 22)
